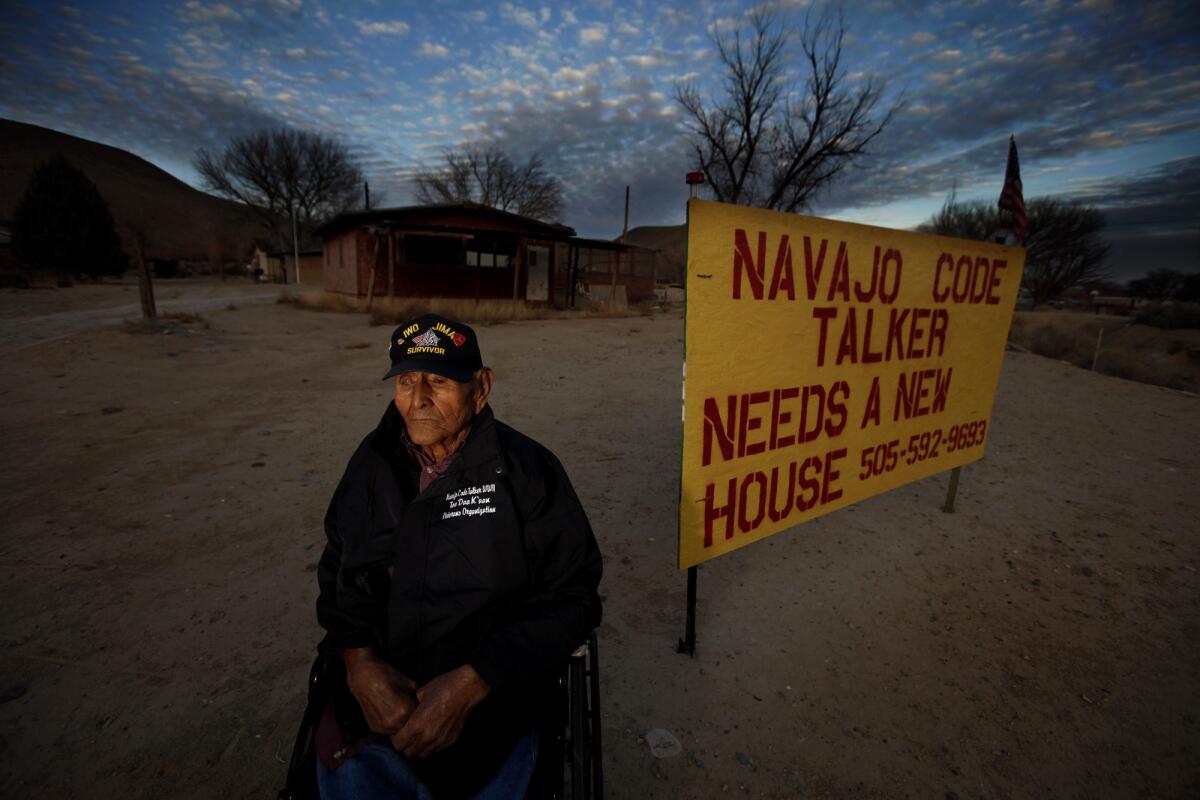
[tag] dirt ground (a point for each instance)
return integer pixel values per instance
(161, 506)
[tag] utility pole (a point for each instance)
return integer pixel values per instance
(612, 294)
(295, 242)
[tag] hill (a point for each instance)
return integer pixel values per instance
(180, 222)
(671, 243)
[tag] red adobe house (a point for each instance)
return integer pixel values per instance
(472, 251)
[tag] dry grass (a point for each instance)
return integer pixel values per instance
(317, 301)
(394, 310)
(1127, 350)
(178, 322)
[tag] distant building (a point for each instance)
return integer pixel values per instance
(8, 262)
(278, 266)
(469, 250)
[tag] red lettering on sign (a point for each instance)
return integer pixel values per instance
(840, 282)
(994, 282)
(945, 260)
(753, 498)
(913, 390)
(810, 486)
(774, 510)
(815, 392)
(895, 329)
(824, 314)
(870, 356)
(723, 430)
(747, 423)
(745, 263)
(848, 349)
(813, 269)
(779, 417)
(915, 332)
(712, 513)
(937, 330)
(868, 294)
(753, 479)
(871, 414)
(837, 409)
(828, 493)
(907, 330)
(782, 278)
(890, 258)
(941, 390)
(962, 269)
(743, 429)
(979, 278)
(967, 279)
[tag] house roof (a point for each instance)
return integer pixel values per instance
(312, 251)
(427, 217)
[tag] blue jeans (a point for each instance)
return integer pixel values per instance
(380, 773)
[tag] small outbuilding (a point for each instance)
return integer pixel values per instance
(279, 266)
(468, 250)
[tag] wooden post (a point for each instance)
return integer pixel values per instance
(374, 269)
(573, 259)
(517, 267)
(952, 492)
(145, 279)
(479, 268)
(1096, 355)
(400, 262)
(295, 246)
(391, 261)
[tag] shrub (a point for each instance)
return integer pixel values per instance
(1144, 368)
(1170, 316)
(1052, 341)
(62, 223)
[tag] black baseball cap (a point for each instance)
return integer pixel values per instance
(435, 344)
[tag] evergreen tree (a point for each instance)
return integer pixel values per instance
(62, 223)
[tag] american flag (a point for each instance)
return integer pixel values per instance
(1011, 198)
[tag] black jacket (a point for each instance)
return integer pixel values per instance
(495, 565)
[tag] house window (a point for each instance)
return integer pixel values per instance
(442, 251)
(490, 251)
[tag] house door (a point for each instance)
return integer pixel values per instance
(537, 273)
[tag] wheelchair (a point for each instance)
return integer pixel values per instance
(569, 764)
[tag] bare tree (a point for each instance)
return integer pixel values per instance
(490, 176)
(1159, 284)
(284, 174)
(1064, 245)
(759, 141)
(974, 220)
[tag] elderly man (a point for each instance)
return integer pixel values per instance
(460, 572)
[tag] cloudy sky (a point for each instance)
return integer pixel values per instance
(1103, 96)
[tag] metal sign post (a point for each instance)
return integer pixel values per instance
(952, 492)
(688, 643)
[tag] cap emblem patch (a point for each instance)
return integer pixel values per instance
(426, 339)
(458, 338)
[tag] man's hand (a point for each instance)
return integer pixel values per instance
(386, 695)
(445, 703)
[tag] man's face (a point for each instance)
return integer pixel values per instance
(436, 409)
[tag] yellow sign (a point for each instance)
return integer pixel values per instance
(827, 362)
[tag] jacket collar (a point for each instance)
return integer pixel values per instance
(482, 444)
